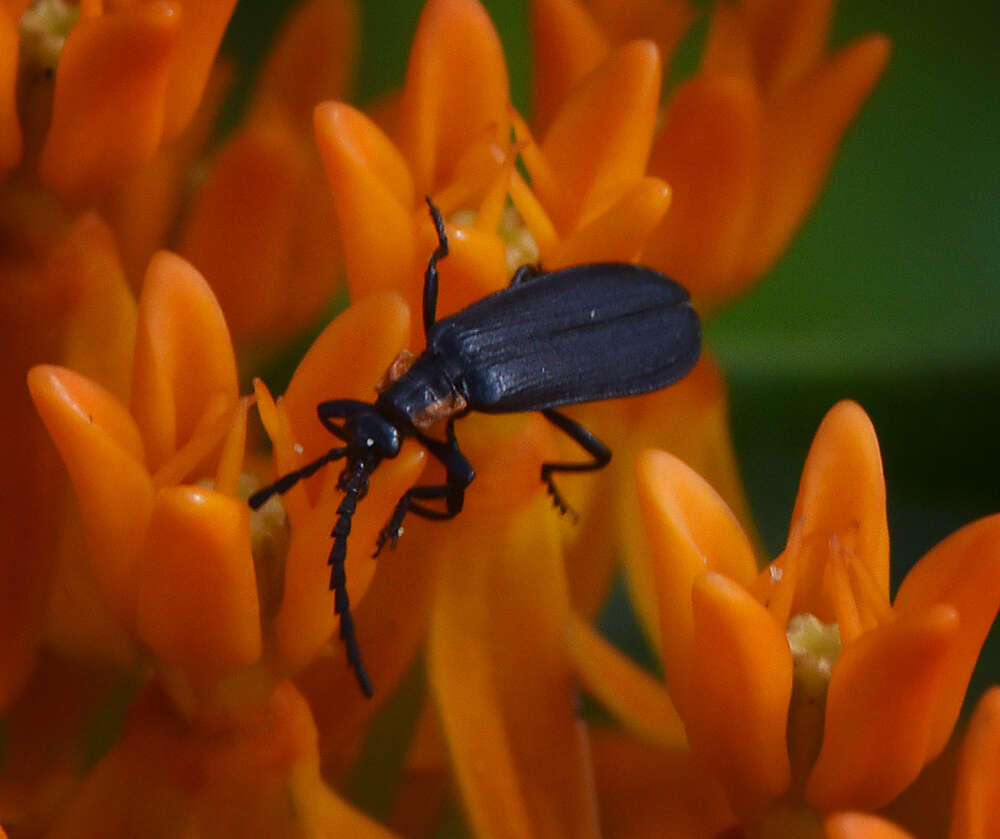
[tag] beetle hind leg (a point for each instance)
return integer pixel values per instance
(600, 453)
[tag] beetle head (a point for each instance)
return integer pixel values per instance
(371, 432)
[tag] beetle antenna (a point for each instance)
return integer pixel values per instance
(355, 486)
(286, 482)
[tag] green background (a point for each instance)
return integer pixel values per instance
(889, 294)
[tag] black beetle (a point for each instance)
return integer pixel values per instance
(579, 334)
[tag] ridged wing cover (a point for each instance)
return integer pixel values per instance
(584, 333)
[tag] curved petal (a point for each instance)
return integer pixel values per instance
(566, 44)
(183, 356)
(647, 792)
(102, 449)
(841, 497)
(197, 602)
(263, 231)
(801, 135)
(98, 341)
(977, 790)
(202, 26)
(312, 60)
(963, 571)
(498, 653)
(709, 152)
(374, 195)
(615, 109)
(345, 362)
(107, 115)
(455, 94)
(10, 126)
(741, 686)
(253, 775)
(690, 529)
(884, 689)
(662, 21)
(618, 233)
(862, 826)
(636, 698)
(788, 38)
(144, 208)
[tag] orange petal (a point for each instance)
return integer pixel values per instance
(391, 622)
(10, 127)
(183, 356)
(197, 601)
(107, 115)
(102, 449)
(202, 26)
(566, 44)
(345, 362)
(252, 774)
(245, 234)
(689, 529)
(617, 234)
(862, 826)
(841, 496)
(741, 686)
(709, 153)
(880, 710)
(646, 792)
(313, 59)
(306, 618)
(600, 139)
(455, 94)
(100, 336)
(974, 813)
(962, 571)
(638, 701)
(143, 210)
(662, 21)
(373, 194)
(788, 38)
(801, 135)
(498, 660)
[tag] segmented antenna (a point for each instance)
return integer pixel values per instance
(355, 486)
(286, 482)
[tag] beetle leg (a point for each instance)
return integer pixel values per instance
(340, 409)
(526, 273)
(431, 274)
(460, 475)
(587, 441)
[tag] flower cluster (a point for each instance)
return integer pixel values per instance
(169, 658)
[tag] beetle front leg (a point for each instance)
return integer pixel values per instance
(340, 409)
(460, 475)
(587, 441)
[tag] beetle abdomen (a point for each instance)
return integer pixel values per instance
(589, 332)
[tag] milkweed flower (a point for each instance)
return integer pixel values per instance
(802, 688)
(188, 584)
(745, 143)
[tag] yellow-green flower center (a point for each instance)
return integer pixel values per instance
(43, 29)
(520, 247)
(815, 646)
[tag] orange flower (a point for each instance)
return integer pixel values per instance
(262, 225)
(746, 143)
(973, 809)
(178, 563)
(801, 687)
(126, 79)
